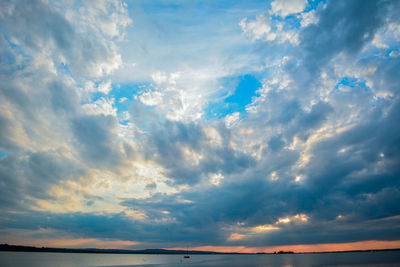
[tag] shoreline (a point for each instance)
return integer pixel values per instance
(18, 248)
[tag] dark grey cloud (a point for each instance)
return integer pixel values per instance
(31, 175)
(6, 143)
(307, 121)
(63, 98)
(342, 27)
(276, 143)
(168, 141)
(256, 201)
(96, 140)
(353, 174)
(364, 145)
(42, 120)
(203, 216)
(36, 25)
(386, 76)
(34, 22)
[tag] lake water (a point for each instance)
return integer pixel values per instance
(40, 259)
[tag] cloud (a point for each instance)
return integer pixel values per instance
(183, 149)
(340, 29)
(95, 139)
(101, 106)
(285, 8)
(91, 148)
(45, 30)
(43, 116)
(104, 87)
(308, 18)
(264, 30)
(28, 176)
(258, 29)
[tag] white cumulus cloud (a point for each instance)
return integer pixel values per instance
(285, 8)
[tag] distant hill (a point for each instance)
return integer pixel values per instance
(6, 247)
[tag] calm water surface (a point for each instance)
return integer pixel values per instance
(35, 259)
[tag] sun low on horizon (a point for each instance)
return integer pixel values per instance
(228, 126)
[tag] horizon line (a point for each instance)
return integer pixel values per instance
(219, 249)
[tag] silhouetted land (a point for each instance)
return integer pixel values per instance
(6, 247)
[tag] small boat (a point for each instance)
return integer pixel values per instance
(187, 254)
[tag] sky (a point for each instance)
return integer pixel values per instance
(217, 125)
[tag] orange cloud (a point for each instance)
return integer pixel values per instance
(297, 218)
(236, 236)
(265, 228)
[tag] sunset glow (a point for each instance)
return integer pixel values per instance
(362, 245)
(263, 228)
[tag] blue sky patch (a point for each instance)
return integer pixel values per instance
(352, 82)
(246, 87)
(244, 92)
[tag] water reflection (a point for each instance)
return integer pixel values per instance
(34, 259)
